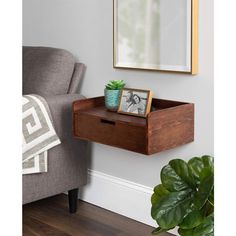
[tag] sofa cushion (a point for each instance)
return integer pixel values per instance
(46, 71)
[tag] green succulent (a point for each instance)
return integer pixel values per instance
(115, 85)
(186, 197)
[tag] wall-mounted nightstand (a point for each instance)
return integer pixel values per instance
(168, 125)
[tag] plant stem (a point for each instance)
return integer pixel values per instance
(210, 202)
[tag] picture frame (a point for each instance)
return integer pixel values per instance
(135, 102)
(156, 35)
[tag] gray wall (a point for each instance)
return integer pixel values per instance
(84, 27)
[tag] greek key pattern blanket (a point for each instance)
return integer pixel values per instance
(38, 134)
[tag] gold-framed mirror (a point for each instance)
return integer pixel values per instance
(159, 35)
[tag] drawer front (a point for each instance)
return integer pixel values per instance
(112, 133)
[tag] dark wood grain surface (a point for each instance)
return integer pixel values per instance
(50, 217)
(170, 127)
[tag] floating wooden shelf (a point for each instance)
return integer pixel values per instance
(168, 125)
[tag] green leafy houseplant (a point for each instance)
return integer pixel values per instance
(186, 197)
(113, 93)
(115, 85)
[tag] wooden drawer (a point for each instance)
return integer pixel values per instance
(170, 124)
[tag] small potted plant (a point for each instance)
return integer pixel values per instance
(185, 198)
(112, 94)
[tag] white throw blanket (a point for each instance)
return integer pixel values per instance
(38, 134)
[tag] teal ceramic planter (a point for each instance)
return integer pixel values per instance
(112, 99)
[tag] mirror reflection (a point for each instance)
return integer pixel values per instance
(152, 34)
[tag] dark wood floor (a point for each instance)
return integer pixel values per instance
(50, 217)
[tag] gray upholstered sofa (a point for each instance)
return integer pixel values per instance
(54, 74)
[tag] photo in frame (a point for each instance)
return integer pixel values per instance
(136, 102)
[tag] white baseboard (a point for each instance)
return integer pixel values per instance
(118, 195)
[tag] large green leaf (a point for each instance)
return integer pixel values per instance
(192, 220)
(159, 192)
(201, 167)
(204, 191)
(208, 162)
(205, 173)
(196, 166)
(185, 232)
(171, 209)
(206, 228)
(176, 176)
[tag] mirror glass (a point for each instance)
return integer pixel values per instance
(153, 34)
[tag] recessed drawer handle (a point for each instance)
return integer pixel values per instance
(108, 122)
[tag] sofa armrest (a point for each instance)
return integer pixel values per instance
(77, 78)
(61, 111)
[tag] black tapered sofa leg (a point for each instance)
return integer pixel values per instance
(73, 197)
